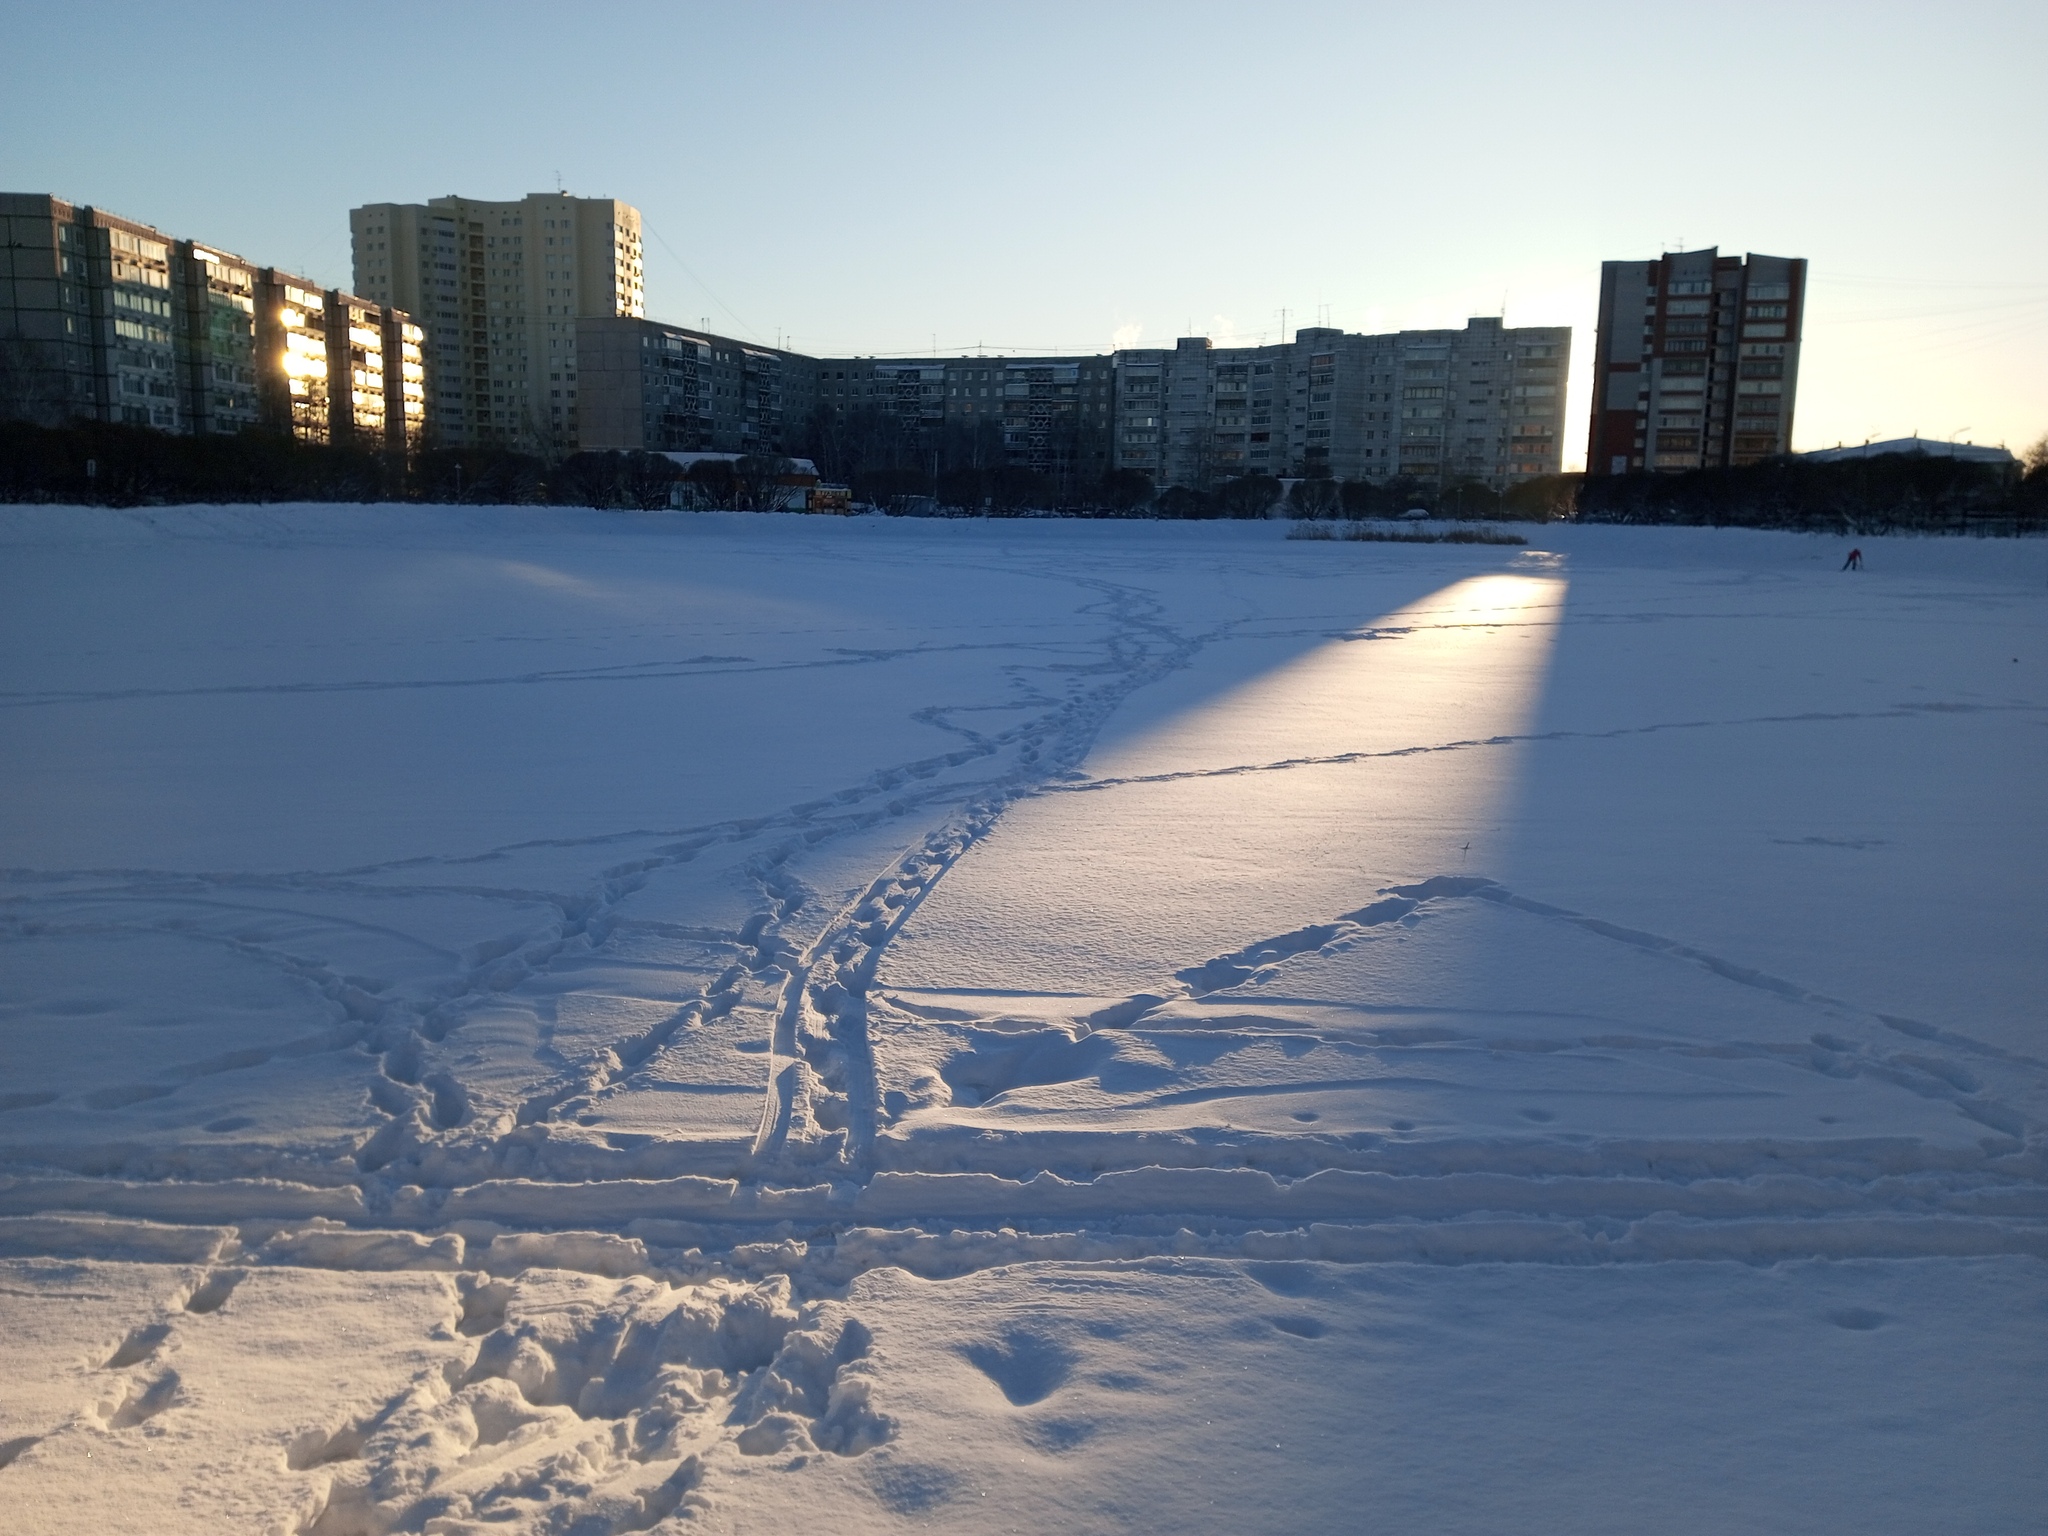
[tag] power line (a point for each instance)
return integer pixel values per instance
(736, 320)
(1829, 279)
(1882, 316)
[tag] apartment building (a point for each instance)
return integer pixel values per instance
(108, 319)
(89, 315)
(350, 371)
(666, 388)
(1053, 412)
(1482, 403)
(1696, 361)
(220, 379)
(669, 389)
(1048, 414)
(499, 288)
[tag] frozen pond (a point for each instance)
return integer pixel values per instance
(522, 1020)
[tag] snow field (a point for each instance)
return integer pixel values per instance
(1041, 1396)
(537, 1021)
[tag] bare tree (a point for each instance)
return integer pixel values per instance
(711, 483)
(760, 480)
(1125, 490)
(30, 386)
(1315, 498)
(1248, 496)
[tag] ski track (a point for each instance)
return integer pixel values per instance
(1901, 712)
(628, 672)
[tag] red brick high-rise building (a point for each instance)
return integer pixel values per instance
(1696, 361)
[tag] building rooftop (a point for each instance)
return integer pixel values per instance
(687, 460)
(1972, 452)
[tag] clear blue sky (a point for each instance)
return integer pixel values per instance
(875, 177)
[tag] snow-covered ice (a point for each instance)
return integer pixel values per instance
(518, 1020)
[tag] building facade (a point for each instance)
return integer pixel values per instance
(1696, 361)
(219, 378)
(337, 368)
(107, 319)
(1049, 415)
(1484, 403)
(668, 389)
(91, 331)
(499, 288)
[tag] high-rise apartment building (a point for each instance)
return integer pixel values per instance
(110, 320)
(1696, 361)
(1483, 403)
(499, 288)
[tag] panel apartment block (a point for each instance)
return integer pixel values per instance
(1047, 414)
(111, 320)
(88, 309)
(668, 389)
(1483, 403)
(499, 288)
(1696, 361)
(340, 369)
(219, 379)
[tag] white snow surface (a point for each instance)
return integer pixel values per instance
(527, 1021)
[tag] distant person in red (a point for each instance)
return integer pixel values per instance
(1854, 562)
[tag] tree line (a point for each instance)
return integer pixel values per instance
(1887, 493)
(968, 474)
(109, 463)
(887, 460)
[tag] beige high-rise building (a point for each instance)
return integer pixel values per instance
(499, 288)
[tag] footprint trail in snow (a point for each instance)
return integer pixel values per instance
(773, 1016)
